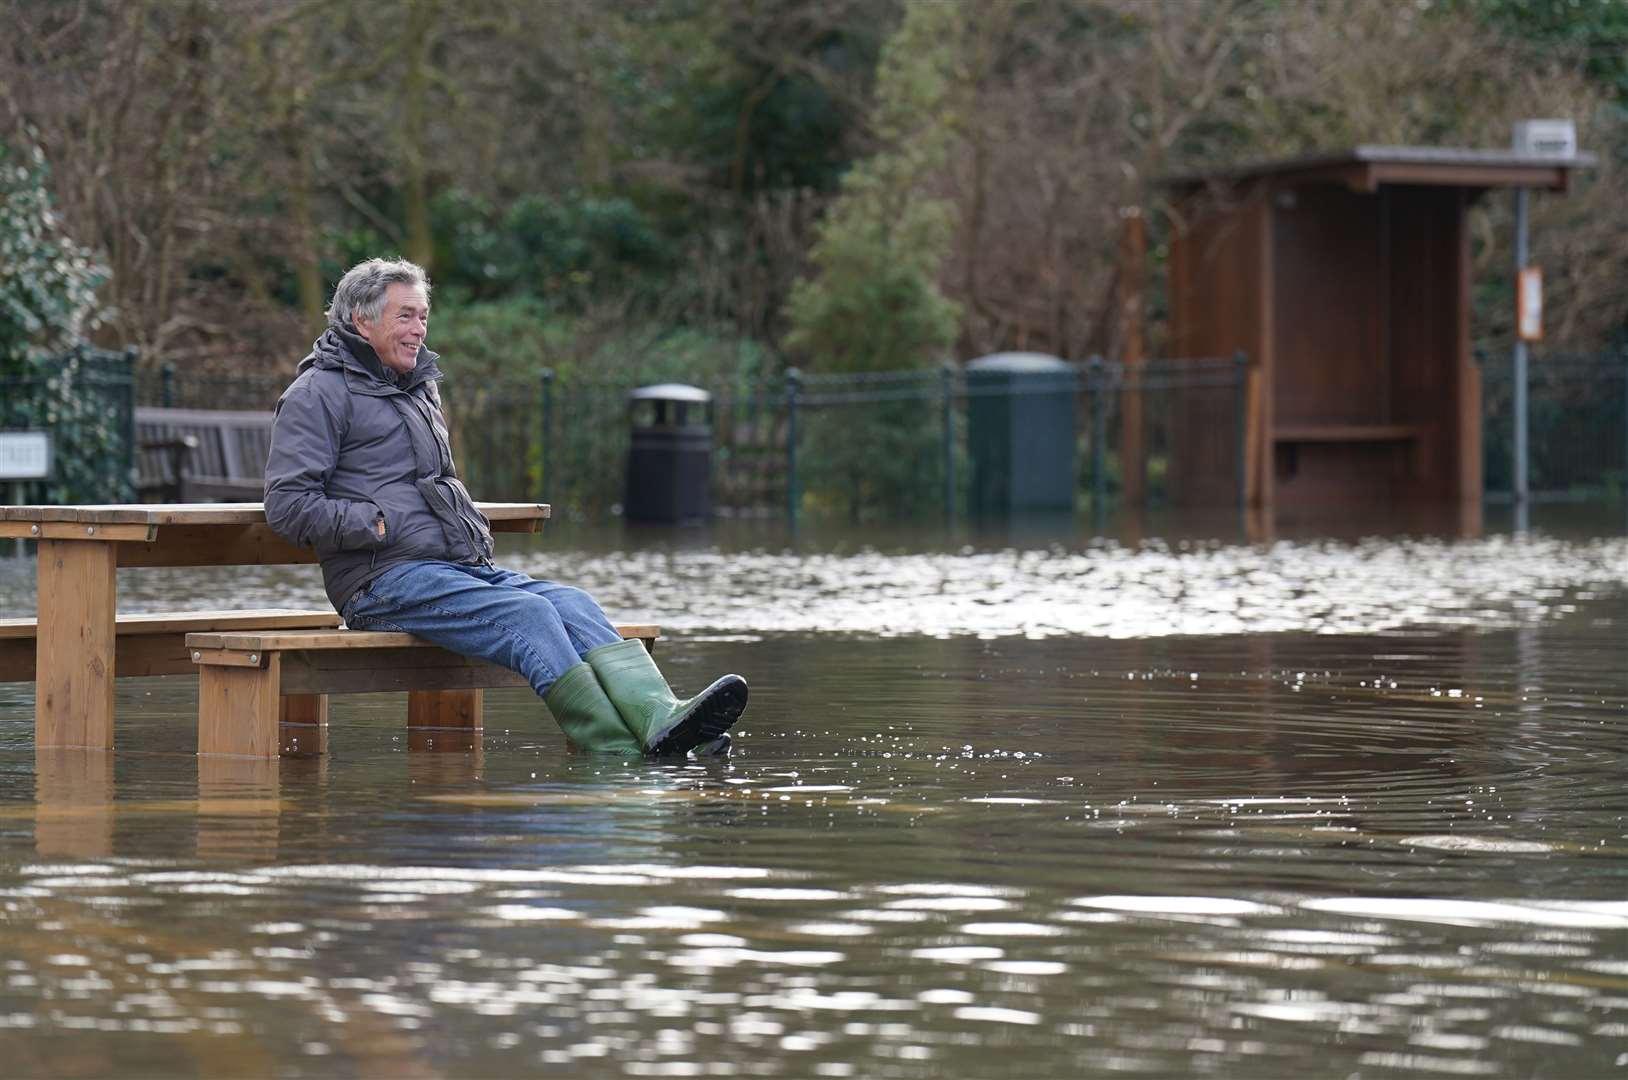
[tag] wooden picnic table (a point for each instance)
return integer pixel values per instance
(81, 547)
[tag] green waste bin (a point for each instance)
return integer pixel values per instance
(669, 458)
(1020, 433)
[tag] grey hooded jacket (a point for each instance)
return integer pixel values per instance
(351, 447)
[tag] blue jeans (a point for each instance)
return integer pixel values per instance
(536, 628)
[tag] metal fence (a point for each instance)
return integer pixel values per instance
(889, 444)
(893, 444)
(84, 399)
(248, 391)
(1577, 424)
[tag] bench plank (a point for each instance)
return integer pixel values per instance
(198, 622)
(518, 515)
(154, 643)
(339, 640)
(415, 667)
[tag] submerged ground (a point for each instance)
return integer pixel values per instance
(1019, 804)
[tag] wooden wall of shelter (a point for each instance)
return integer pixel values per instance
(1346, 281)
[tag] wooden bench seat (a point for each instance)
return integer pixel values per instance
(264, 693)
(155, 644)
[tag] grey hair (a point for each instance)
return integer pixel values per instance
(361, 291)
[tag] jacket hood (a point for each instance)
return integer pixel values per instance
(341, 347)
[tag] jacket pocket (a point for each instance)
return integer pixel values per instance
(475, 522)
(357, 529)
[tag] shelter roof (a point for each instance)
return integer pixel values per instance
(1365, 168)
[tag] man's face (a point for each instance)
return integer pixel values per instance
(400, 328)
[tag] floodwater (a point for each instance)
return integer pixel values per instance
(1343, 807)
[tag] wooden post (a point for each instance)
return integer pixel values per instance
(456, 710)
(77, 611)
(1255, 445)
(1469, 479)
(1133, 242)
(302, 729)
(239, 707)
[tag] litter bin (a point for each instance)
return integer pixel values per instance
(670, 457)
(1020, 433)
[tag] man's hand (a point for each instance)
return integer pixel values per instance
(381, 528)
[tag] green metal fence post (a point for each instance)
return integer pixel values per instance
(1099, 437)
(1240, 368)
(947, 385)
(128, 458)
(166, 385)
(793, 497)
(547, 420)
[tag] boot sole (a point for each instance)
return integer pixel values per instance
(714, 712)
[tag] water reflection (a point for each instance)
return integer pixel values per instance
(73, 803)
(1389, 853)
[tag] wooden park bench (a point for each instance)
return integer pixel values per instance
(201, 455)
(80, 642)
(264, 693)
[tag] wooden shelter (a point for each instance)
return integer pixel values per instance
(1345, 280)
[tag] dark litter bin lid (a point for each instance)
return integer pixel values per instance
(1019, 363)
(671, 391)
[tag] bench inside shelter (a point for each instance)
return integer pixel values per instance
(201, 455)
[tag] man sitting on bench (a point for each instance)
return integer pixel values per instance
(361, 469)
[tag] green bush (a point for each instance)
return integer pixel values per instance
(48, 282)
(877, 460)
(84, 399)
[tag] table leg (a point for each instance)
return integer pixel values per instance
(73, 665)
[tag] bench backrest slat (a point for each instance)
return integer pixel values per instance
(231, 443)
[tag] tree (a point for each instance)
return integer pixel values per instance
(873, 302)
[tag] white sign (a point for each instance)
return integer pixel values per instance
(25, 455)
(1546, 138)
(1529, 304)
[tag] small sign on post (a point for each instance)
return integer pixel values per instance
(1529, 304)
(25, 455)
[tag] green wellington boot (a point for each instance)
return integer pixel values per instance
(587, 716)
(660, 721)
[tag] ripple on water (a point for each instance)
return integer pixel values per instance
(1107, 590)
(1476, 912)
